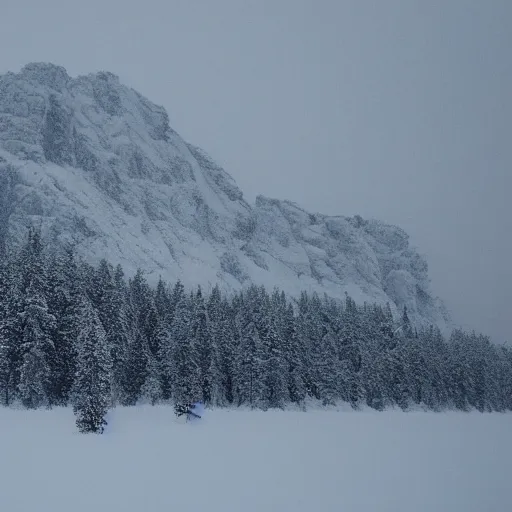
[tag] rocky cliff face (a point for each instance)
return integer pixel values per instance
(97, 166)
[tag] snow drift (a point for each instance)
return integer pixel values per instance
(328, 461)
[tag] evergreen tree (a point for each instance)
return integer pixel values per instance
(275, 392)
(201, 341)
(4, 371)
(166, 342)
(67, 326)
(249, 365)
(221, 321)
(37, 348)
(459, 379)
(119, 336)
(91, 390)
(166, 364)
(505, 377)
(327, 370)
(216, 373)
(162, 300)
(151, 390)
(310, 331)
(350, 341)
(376, 332)
(144, 329)
(177, 295)
(185, 363)
(63, 303)
(398, 388)
(136, 369)
(11, 331)
(294, 353)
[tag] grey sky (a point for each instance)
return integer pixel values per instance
(397, 109)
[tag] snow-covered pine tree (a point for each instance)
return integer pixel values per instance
(275, 392)
(37, 345)
(166, 364)
(349, 351)
(5, 356)
(374, 327)
(457, 382)
(141, 308)
(294, 354)
(151, 390)
(222, 349)
(326, 366)
(176, 296)
(249, 357)
(100, 289)
(304, 333)
(141, 300)
(273, 365)
(119, 335)
(91, 390)
(311, 331)
(200, 338)
(227, 343)
(217, 391)
(151, 328)
(136, 369)
(166, 305)
(477, 357)
(11, 331)
(416, 369)
(397, 381)
(185, 371)
(162, 300)
(27, 327)
(63, 304)
(4, 371)
(434, 353)
(505, 377)
(492, 393)
(247, 339)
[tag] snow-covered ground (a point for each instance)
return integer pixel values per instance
(257, 461)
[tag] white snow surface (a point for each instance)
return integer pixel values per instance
(97, 166)
(239, 460)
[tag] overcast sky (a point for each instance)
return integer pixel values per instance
(399, 110)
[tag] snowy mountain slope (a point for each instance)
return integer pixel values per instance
(97, 165)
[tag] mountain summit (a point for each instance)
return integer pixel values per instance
(97, 166)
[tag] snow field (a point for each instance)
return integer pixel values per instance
(240, 460)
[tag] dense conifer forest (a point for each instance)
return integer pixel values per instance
(73, 334)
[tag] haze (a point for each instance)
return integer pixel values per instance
(398, 110)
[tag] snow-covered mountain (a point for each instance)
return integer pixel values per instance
(96, 165)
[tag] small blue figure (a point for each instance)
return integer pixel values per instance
(192, 410)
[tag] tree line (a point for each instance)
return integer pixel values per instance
(74, 334)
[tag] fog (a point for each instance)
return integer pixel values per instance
(398, 110)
